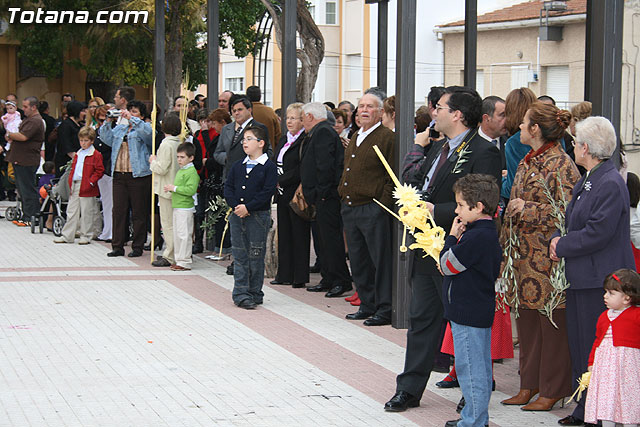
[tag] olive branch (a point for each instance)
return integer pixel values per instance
(463, 158)
(557, 278)
(508, 273)
(217, 209)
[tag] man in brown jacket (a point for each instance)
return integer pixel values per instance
(24, 155)
(265, 115)
(367, 225)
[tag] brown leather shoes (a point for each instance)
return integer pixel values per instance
(542, 404)
(522, 398)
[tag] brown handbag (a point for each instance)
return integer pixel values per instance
(300, 206)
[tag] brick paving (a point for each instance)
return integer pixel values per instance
(87, 340)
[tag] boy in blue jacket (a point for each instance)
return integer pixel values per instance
(248, 190)
(470, 262)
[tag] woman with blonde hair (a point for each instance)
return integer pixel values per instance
(579, 112)
(92, 106)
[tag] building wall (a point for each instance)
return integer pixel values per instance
(504, 46)
(500, 51)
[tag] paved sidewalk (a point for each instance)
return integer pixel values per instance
(87, 340)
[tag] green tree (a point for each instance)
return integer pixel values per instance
(123, 54)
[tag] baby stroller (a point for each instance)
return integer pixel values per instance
(57, 195)
(14, 213)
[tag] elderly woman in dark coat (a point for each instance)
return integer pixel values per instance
(293, 231)
(596, 243)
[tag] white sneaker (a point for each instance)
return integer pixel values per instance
(84, 242)
(59, 240)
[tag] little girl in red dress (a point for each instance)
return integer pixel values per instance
(612, 396)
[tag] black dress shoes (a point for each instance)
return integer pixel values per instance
(448, 383)
(338, 291)
(358, 315)
(116, 252)
(277, 282)
(376, 320)
(570, 420)
(401, 401)
(161, 262)
(297, 285)
(247, 304)
(319, 288)
(135, 253)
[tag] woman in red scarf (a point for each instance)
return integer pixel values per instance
(546, 175)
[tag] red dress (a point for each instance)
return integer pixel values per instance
(501, 338)
(636, 256)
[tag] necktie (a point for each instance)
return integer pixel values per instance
(496, 143)
(237, 134)
(444, 154)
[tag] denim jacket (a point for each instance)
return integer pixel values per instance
(139, 139)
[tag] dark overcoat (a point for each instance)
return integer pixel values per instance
(597, 220)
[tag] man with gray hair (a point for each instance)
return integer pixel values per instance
(321, 161)
(367, 225)
(25, 157)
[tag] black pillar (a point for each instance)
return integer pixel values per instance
(213, 32)
(289, 66)
(603, 59)
(470, 42)
(383, 19)
(159, 56)
(405, 109)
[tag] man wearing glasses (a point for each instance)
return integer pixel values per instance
(434, 167)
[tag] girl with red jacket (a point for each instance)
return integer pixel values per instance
(615, 357)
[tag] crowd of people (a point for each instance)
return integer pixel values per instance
(540, 221)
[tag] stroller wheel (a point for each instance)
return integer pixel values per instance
(33, 224)
(58, 225)
(10, 213)
(18, 213)
(41, 225)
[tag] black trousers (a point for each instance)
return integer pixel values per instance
(425, 319)
(26, 186)
(293, 246)
(333, 269)
(368, 230)
(135, 194)
(583, 308)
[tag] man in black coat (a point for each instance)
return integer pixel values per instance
(229, 149)
(320, 171)
(433, 167)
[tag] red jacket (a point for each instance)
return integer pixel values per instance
(625, 328)
(92, 171)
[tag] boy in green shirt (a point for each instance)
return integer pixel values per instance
(183, 197)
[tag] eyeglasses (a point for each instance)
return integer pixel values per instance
(441, 107)
(249, 138)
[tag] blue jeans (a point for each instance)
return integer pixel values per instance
(473, 366)
(248, 245)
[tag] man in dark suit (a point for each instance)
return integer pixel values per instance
(229, 149)
(320, 171)
(492, 128)
(434, 167)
